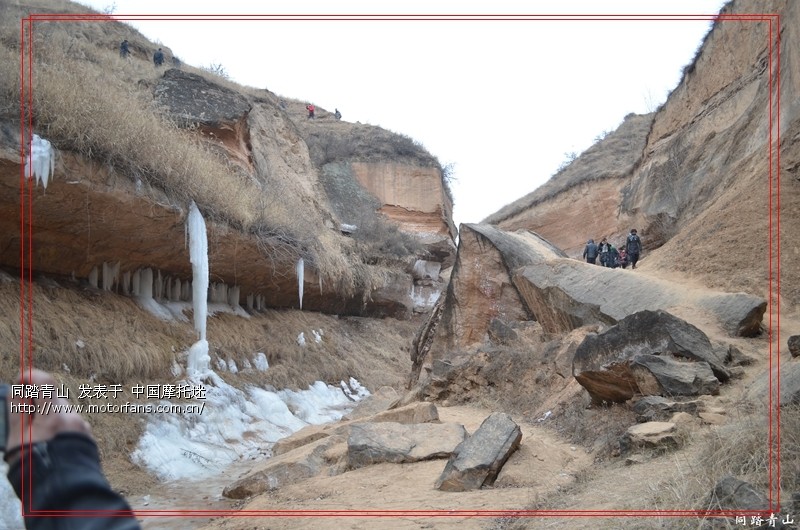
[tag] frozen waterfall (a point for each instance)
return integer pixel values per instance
(199, 360)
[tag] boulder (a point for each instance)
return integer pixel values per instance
(650, 435)
(733, 494)
(375, 443)
(477, 461)
(647, 353)
(758, 391)
(794, 345)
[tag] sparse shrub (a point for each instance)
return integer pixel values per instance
(217, 69)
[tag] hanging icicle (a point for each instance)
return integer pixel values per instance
(40, 161)
(301, 269)
(199, 361)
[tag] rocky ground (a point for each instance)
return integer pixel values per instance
(560, 465)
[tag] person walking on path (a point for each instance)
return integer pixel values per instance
(634, 247)
(605, 251)
(124, 50)
(590, 252)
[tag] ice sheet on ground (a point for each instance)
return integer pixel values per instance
(235, 424)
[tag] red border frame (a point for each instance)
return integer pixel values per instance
(773, 148)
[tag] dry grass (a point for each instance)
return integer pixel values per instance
(107, 338)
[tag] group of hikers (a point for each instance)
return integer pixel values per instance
(311, 109)
(611, 256)
(158, 56)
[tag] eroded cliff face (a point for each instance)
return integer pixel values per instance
(95, 217)
(703, 177)
(411, 196)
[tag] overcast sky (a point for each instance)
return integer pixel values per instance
(503, 101)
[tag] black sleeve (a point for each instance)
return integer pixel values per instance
(65, 475)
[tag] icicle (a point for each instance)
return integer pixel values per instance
(136, 287)
(198, 252)
(158, 286)
(250, 302)
(40, 161)
(199, 360)
(219, 293)
(175, 292)
(110, 275)
(126, 283)
(146, 284)
(93, 277)
(234, 294)
(300, 279)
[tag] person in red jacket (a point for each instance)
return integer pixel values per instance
(54, 465)
(310, 109)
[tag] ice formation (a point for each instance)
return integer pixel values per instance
(235, 424)
(300, 279)
(199, 360)
(40, 161)
(261, 362)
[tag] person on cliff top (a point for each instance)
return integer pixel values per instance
(590, 252)
(124, 50)
(634, 246)
(158, 57)
(54, 464)
(310, 109)
(337, 115)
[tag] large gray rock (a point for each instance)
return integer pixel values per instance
(616, 365)
(735, 495)
(794, 345)
(789, 371)
(478, 460)
(565, 294)
(375, 443)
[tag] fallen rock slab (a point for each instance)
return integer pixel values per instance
(658, 408)
(307, 461)
(375, 443)
(477, 461)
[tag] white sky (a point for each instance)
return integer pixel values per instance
(503, 101)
